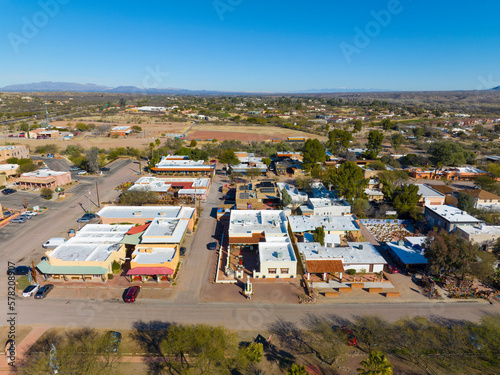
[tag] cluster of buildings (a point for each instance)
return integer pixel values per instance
(144, 241)
(182, 165)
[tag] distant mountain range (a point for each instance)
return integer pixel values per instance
(90, 87)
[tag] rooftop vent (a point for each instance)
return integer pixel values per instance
(279, 255)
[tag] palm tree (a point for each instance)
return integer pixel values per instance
(296, 370)
(376, 364)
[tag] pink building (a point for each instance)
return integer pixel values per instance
(43, 179)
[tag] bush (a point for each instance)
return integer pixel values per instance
(110, 276)
(351, 272)
(116, 267)
(46, 193)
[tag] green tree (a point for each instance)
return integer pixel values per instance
(376, 364)
(46, 193)
(450, 153)
(254, 352)
(357, 126)
(297, 370)
(405, 200)
(267, 161)
(396, 141)
(27, 167)
(466, 202)
(138, 198)
(319, 235)
(92, 156)
(450, 254)
(374, 145)
(122, 102)
(137, 128)
(494, 170)
(313, 152)
(339, 140)
(386, 124)
(391, 180)
(349, 181)
(229, 158)
(286, 199)
(193, 143)
(82, 351)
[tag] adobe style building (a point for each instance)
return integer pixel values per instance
(264, 235)
(17, 151)
(43, 179)
(182, 165)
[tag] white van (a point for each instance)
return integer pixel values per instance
(54, 242)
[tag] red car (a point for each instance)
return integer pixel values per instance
(392, 269)
(131, 294)
(351, 339)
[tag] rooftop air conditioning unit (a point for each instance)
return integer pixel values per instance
(360, 247)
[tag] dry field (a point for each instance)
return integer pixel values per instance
(246, 133)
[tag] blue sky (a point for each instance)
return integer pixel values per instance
(252, 45)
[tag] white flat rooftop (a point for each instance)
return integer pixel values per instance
(428, 192)
(79, 252)
(354, 253)
(43, 173)
(154, 255)
(327, 202)
(246, 222)
(276, 251)
(481, 229)
(407, 254)
(453, 214)
(300, 224)
(146, 212)
(165, 231)
(8, 167)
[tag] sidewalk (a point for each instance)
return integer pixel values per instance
(23, 347)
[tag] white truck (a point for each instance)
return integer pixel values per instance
(54, 242)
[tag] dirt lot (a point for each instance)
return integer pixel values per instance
(246, 133)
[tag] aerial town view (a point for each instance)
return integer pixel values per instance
(181, 192)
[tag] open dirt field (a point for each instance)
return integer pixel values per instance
(150, 129)
(245, 133)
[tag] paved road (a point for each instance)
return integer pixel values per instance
(21, 243)
(185, 307)
(196, 268)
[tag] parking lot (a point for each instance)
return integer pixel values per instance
(21, 242)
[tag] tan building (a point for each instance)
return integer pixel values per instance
(88, 256)
(258, 195)
(44, 179)
(483, 235)
(17, 151)
(142, 214)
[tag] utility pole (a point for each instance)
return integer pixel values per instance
(97, 191)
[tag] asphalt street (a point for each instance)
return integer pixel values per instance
(18, 242)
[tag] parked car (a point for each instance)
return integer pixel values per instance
(74, 169)
(31, 290)
(8, 191)
(43, 291)
(212, 246)
(24, 215)
(392, 269)
(86, 217)
(54, 242)
(113, 340)
(182, 251)
(19, 271)
(104, 169)
(82, 173)
(19, 219)
(30, 213)
(131, 294)
(351, 339)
